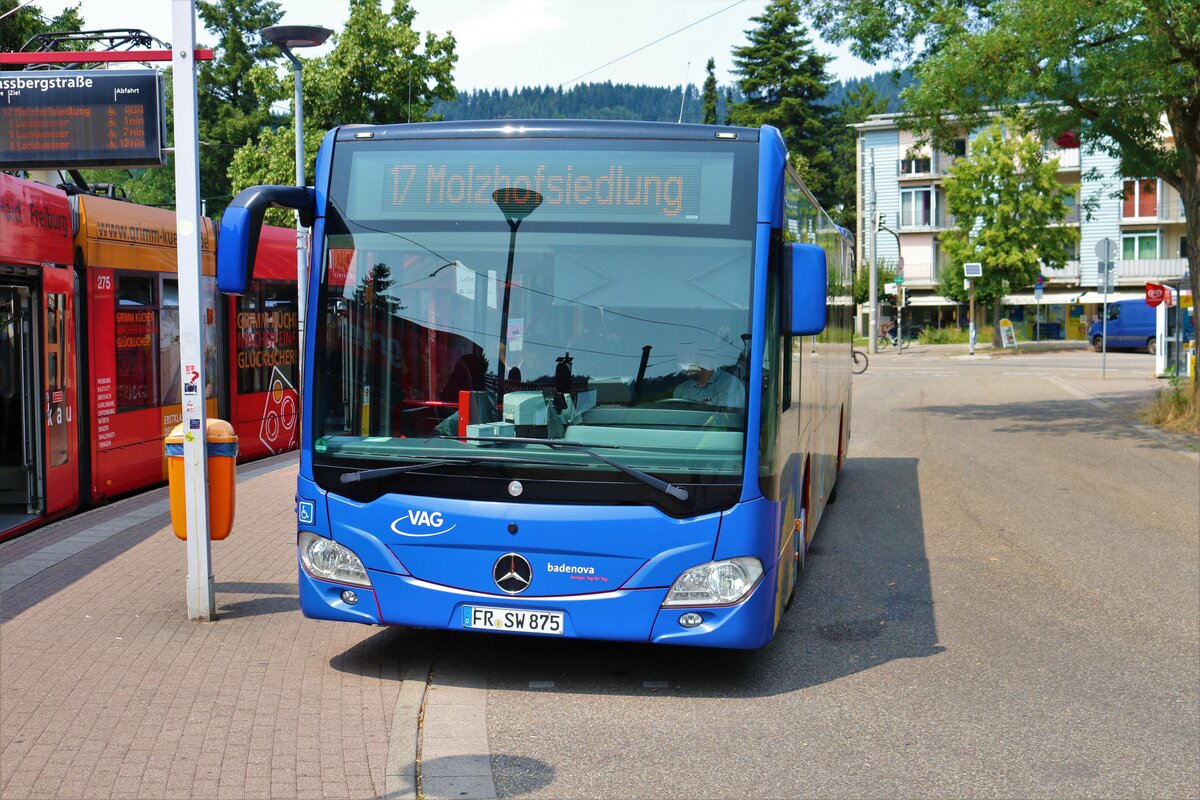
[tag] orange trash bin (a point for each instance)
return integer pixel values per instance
(222, 477)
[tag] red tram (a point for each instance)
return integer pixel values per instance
(89, 349)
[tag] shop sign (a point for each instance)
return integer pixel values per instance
(1154, 294)
(1008, 336)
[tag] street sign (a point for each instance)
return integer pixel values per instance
(1037, 292)
(899, 279)
(1106, 249)
(973, 269)
(1040, 280)
(889, 288)
(81, 118)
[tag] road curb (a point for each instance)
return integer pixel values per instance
(400, 774)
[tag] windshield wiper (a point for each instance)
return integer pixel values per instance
(383, 472)
(678, 492)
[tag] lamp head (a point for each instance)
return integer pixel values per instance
(516, 204)
(290, 37)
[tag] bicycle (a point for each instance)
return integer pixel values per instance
(888, 337)
(858, 362)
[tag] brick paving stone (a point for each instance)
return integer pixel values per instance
(109, 690)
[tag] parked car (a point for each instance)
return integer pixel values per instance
(1131, 324)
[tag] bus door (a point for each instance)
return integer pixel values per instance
(21, 457)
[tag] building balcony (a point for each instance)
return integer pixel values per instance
(1072, 217)
(1172, 209)
(925, 168)
(1068, 158)
(1143, 269)
(1067, 273)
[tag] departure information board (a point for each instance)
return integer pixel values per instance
(81, 118)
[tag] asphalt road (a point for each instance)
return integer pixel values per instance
(1004, 602)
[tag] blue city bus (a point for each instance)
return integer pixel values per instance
(563, 378)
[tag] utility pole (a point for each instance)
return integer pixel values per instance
(873, 290)
(200, 603)
(971, 270)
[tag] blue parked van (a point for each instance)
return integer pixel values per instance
(1131, 324)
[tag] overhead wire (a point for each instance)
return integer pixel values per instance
(656, 41)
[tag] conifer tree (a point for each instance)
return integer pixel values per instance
(784, 79)
(710, 93)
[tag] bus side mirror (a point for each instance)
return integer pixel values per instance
(237, 243)
(810, 288)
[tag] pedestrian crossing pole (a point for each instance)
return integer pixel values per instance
(191, 310)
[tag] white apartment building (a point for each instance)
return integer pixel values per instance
(1144, 215)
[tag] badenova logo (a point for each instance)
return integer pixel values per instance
(570, 568)
(426, 523)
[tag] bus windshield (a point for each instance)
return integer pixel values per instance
(582, 300)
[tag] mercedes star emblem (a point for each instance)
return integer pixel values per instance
(515, 488)
(512, 573)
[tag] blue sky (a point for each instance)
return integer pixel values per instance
(512, 43)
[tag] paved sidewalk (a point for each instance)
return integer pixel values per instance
(107, 690)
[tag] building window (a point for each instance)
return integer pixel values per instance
(916, 208)
(1183, 247)
(916, 166)
(1141, 198)
(1139, 246)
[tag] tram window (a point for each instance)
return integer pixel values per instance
(135, 290)
(168, 344)
(266, 337)
(52, 319)
(136, 324)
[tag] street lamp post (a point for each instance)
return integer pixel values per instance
(900, 286)
(516, 205)
(287, 38)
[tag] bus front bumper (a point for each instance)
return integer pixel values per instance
(622, 615)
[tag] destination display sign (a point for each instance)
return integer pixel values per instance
(86, 118)
(553, 186)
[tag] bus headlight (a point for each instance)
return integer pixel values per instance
(716, 583)
(330, 561)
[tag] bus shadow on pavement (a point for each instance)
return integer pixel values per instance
(863, 600)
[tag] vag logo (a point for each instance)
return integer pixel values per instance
(421, 523)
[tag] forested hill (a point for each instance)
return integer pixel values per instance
(627, 101)
(584, 101)
(886, 85)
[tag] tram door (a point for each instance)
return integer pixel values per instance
(21, 489)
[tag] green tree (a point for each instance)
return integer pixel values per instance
(235, 89)
(1109, 70)
(709, 93)
(784, 79)
(861, 102)
(234, 92)
(17, 29)
(379, 71)
(1007, 205)
(885, 274)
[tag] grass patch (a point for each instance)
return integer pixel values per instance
(944, 336)
(1176, 409)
